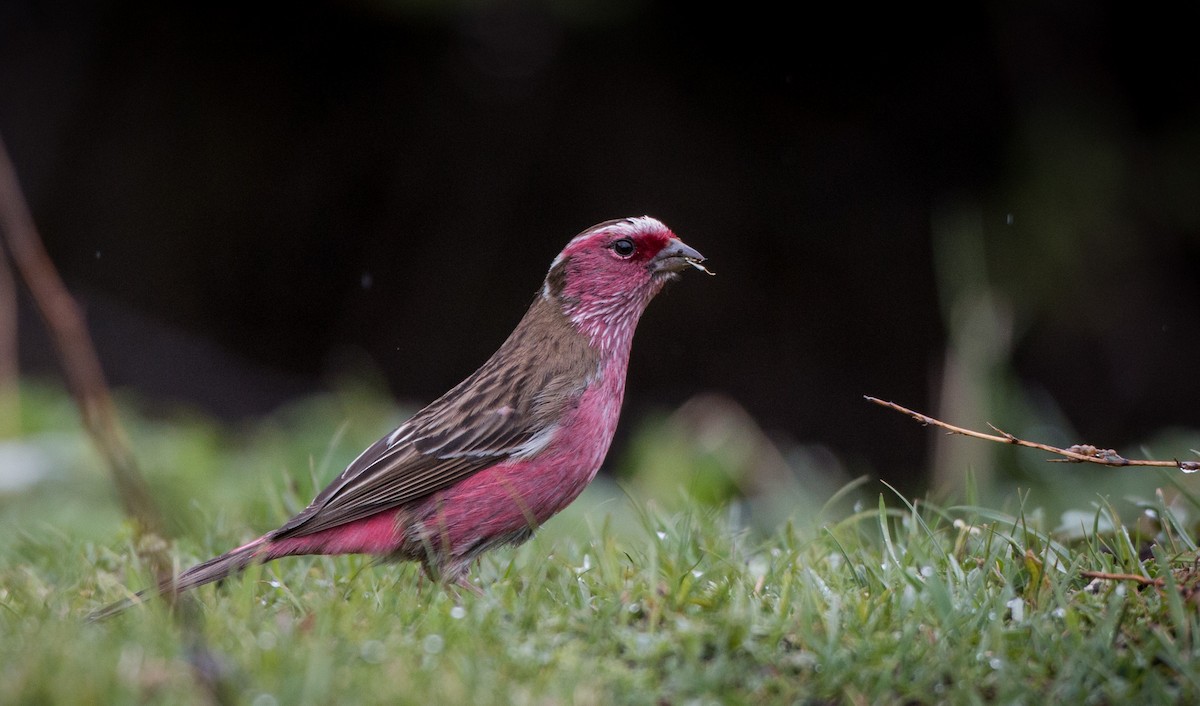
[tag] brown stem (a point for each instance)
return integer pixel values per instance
(86, 379)
(9, 370)
(80, 363)
(1136, 578)
(1081, 453)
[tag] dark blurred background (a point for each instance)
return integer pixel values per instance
(991, 211)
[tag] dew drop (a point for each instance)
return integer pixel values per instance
(373, 651)
(267, 640)
(433, 644)
(1016, 607)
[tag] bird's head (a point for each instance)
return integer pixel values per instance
(619, 263)
(607, 274)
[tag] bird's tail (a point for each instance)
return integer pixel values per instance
(215, 569)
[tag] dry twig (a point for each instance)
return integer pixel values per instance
(9, 406)
(74, 345)
(1136, 578)
(1079, 453)
(86, 379)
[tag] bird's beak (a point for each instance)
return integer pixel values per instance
(676, 257)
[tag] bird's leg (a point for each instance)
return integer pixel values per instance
(454, 576)
(463, 581)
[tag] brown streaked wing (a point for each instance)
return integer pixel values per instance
(539, 372)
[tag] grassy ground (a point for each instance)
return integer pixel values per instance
(873, 599)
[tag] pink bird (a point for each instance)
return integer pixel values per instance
(506, 449)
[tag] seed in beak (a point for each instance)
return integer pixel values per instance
(696, 263)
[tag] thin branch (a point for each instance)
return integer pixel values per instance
(86, 379)
(9, 369)
(74, 346)
(1079, 453)
(1136, 578)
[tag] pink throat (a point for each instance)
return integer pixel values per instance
(609, 323)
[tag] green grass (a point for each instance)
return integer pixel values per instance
(874, 598)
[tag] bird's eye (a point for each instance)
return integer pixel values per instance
(623, 247)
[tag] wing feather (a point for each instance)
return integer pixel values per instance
(504, 409)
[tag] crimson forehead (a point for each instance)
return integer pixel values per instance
(645, 230)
